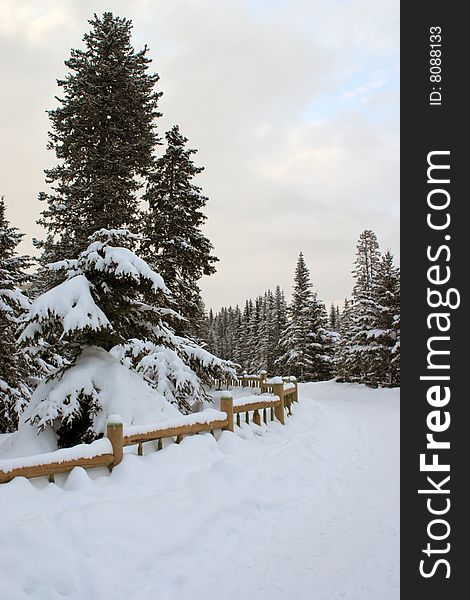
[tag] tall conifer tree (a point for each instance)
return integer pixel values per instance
(361, 344)
(387, 333)
(14, 392)
(307, 347)
(103, 134)
(175, 244)
(369, 350)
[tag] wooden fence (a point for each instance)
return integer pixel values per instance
(277, 396)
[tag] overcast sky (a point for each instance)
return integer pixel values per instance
(292, 105)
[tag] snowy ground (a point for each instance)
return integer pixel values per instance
(308, 511)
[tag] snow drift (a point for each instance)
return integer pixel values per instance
(116, 389)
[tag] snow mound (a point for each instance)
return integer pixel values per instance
(117, 389)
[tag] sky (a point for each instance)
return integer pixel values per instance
(293, 106)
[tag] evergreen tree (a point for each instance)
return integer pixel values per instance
(361, 343)
(369, 351)
(113, 300)
(387, 332)
(344, 365)
(247, 342)
(334, 317)
(103, 134)
(14, 392)
(338, 319)
(323, 341)
(175, 245)
(200, 324)
(307, 346)
(280, 324)
(266, 348)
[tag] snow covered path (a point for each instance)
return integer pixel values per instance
(309, 511)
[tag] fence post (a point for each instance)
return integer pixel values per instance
(256, 417)
(262, 378)
(278, 390)
(226, 405)
(296, 395)
(115, 434)
(288, 403)
(245, 372)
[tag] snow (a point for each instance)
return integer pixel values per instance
(118, 390)
(274, 381)
(308, 511)
(97, 448)
(376, 333)
(205, 358)
(205, 416)
(171, 376)
(122, 262)
(72, 303)
(254, 399)
(114, 420)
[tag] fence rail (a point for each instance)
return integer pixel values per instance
(275, 395)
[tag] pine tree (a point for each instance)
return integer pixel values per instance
(200, 324)
(265, 354)
(103, 134)
(387, 333)
(280, 324)
(113, 300)
(246, 340)
(362, 345)
(338, 319)
(307, 347)
(323, 341)
(344, 364)
(175, 245)
(334, 317)
(14, 391)
(369, 351)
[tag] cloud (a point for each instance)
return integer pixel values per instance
(293, 107)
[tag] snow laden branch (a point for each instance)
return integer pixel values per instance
(68, 307)
(177, 367)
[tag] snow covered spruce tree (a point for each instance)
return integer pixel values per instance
(103, 134)
(273, 320)
(334, 317)
(370, 324)
(112, 305)
(343, 353)
(307, 343)
(359, 356)
(14, 391)
(387, 332)
(108, 297)
(175, 245)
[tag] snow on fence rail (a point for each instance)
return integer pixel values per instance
(276, 395)
(97, 454)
